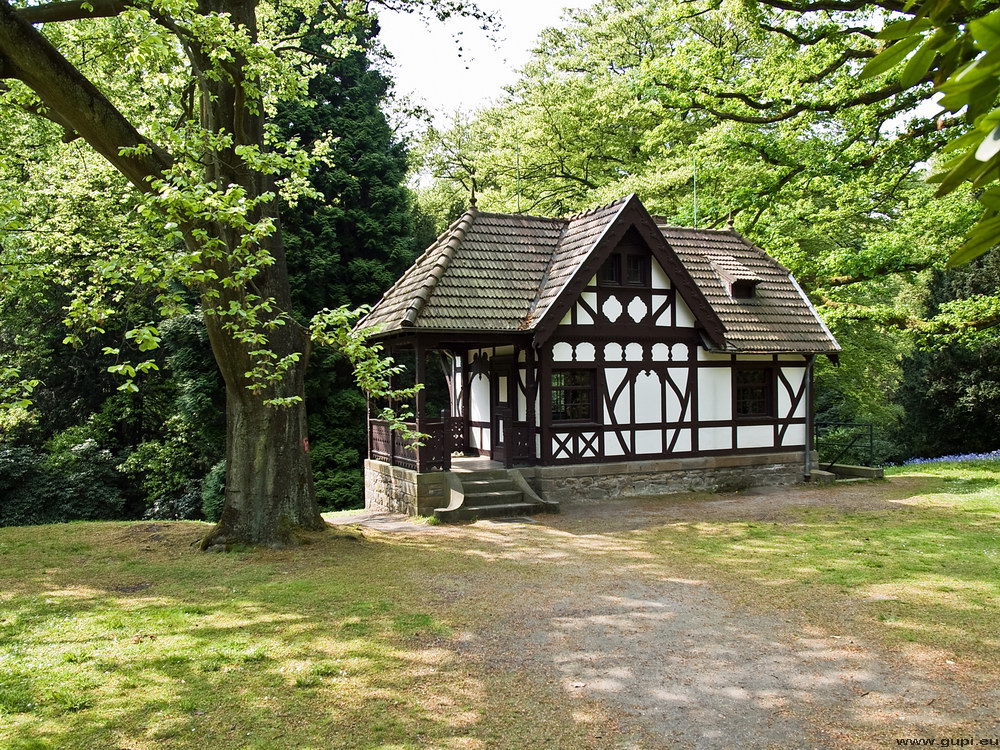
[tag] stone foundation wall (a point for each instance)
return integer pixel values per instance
(582, 483)
(393, 489)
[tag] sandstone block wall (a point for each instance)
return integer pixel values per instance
(393, 489)
(585, 483)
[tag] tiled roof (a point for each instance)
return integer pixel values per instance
(778, 318)
(501, 272)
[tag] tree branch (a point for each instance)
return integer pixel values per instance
(857, 278)
(72, 10)
(28, 56)
(887, 318)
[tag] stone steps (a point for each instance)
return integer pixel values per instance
(491, 494)
(494, 497)
(488, 485)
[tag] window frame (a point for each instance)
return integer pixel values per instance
(769, 392)
(618, 263)
(590, 389)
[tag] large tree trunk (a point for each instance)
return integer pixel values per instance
(269, 487)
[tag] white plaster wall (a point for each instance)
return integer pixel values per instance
(794, 376)
(585, 352)
(715, 393)
(685, 318)
(794, 435)
(613, 445)
(582, 316)
(562, 352)
(648, 441)
(715, 438)
(679, 376)
(479, 399)
(755, 436)
(683, 444)
(614, 376)
(658, 278)
(648, 392)
(665, 316)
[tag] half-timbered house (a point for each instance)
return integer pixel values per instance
(605, 353)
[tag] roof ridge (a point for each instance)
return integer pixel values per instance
(434, 275)
(754, 246)
(413, 266)
(541, 284)
(554, 219)
(660, 222)
(592, 211)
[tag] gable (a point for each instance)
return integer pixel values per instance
(631, 307)
(630, 230)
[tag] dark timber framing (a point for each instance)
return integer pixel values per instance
(662, 356)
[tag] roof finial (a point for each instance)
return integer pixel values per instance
(729, 222)
(472, 198)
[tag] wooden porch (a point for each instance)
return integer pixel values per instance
(446, 446)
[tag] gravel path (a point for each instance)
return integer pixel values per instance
(578, 600)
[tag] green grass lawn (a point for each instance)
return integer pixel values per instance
(124, 636)
(921, 566)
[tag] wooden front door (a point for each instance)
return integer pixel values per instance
(503, 400)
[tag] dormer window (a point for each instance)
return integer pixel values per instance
(743, 289)
(741, 281)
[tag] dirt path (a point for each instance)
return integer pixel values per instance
(580, 600)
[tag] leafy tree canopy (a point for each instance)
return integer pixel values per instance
(178, 97)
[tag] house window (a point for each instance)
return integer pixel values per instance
(572, 395)
(753, 388)
(637, 270)
(611, 271)
(625, 268)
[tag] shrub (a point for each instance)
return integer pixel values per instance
(213, 492)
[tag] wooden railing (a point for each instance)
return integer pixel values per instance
(445, 436)
(441, 436)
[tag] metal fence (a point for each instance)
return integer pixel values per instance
(844, 442)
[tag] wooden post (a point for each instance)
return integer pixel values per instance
(446, 443)
(509, 439)
(419, 374)
(545, 403)
(530, 390)
(466, 401)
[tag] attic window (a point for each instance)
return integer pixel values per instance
(611, 271)
(634, 266)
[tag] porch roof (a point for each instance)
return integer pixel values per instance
(492, 272)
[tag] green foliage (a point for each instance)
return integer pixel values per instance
(73, 478)
(960, 43)
(951, 392)
(213, 492)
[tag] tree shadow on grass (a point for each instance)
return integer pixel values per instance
(618, 599)
(326, 646)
